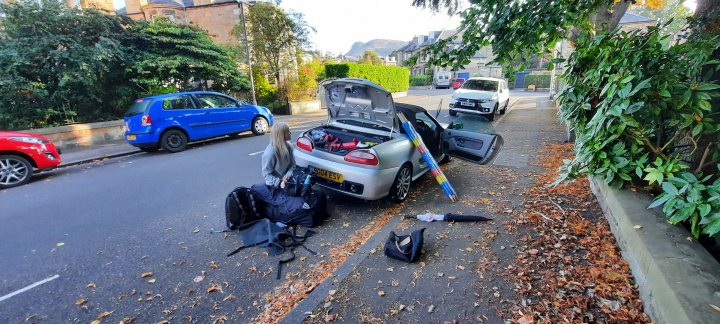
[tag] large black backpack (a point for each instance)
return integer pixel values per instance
(240, 207)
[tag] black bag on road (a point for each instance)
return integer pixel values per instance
(298, 183)
(240, 208)
(278, 206)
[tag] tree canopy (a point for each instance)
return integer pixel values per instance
(370, 57)
(518, 29)
(274, 36)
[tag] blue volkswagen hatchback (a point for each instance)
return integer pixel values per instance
(170, 121)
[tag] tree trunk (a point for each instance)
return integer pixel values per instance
(708, 12)
(604, 19)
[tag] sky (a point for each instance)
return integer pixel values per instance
(340, 23)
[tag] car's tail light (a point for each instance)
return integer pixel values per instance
(304, 143)
(146, 120)
(362, 157)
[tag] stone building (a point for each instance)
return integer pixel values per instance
(218, 17)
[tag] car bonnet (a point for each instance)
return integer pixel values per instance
(360, 100)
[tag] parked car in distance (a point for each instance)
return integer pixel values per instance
(363, 152)
(457, 83)
(21, 154)
(441, 79)
(170, 121)
(483, 96)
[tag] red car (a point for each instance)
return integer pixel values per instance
(457, 82)
(21, 154)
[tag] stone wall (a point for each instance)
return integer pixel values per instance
(83, 134)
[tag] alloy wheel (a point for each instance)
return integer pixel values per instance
(403, 183)
(260, 125)
(13, 171)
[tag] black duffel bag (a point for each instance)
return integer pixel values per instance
(299, 183)
(276, 205)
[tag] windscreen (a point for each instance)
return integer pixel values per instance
(482, 85)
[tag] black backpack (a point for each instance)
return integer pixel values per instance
(295, 184)
(240, 208)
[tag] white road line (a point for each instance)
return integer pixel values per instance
(29, 287)
(256, 153)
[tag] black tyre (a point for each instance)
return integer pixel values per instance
(444, 160)
(259, 125)
(453, 113)
(15, 171)
(504, 110)
(173, 141)
(150, 149)
(401, 186)
(491, 117)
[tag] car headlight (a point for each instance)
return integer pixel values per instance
(494, 97)
(26, 139)
(454, 96)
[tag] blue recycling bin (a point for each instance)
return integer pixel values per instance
(520, 79)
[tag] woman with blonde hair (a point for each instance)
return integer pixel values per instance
(278, 162)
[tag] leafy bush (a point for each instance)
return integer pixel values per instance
(420, 80)
(305, 86)
(541, 81)
(643, 115)
(87, 66)
(392, 78)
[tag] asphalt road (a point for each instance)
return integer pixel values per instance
(89, 232)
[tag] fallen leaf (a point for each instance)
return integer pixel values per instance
(104, 314)
(717, 309)
(346, 224)
(381, 293)
(527, 319)
(229, 297)
(469, 249)
(163, 322)
(533, 252)
(60, 244)
(198, 278)
(461, 267)
(391, 269)
(144, 257)
(485, 200)
(302, 258)
(402, 307)
(127, 320)
(146, 274)
(80, 301)
(332, 292)
(637, 227)
(431, 308)
(213, 265)
(331, 317)
(213, 288)
(151, 281)
(196, 230)
(95, 322)
(91, 285)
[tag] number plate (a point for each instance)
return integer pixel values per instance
(131, 137)
(332, 176)
(469, 104)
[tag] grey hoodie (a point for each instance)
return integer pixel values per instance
(273, 168)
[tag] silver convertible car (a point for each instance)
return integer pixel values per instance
(364, 152)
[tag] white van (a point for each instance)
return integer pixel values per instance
(441, 79)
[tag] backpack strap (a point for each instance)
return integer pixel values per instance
(244, 247)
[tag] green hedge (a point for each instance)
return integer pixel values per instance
(392, 78)
(539, 80)
(420, 80)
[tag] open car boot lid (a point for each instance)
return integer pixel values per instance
(361, 103)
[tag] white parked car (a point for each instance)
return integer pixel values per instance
(483, 96)
(363, 151)
(441, 79)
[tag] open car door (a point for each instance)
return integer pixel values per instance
(472, 138)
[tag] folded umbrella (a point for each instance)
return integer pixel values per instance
(449, 217)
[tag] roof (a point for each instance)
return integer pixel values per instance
(165, 95)
(486, 78)
(629, 18)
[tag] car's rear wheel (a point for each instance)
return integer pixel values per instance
(401, 186)
(174, 141)
(14, 171)
(259, 125)
(453, 113)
